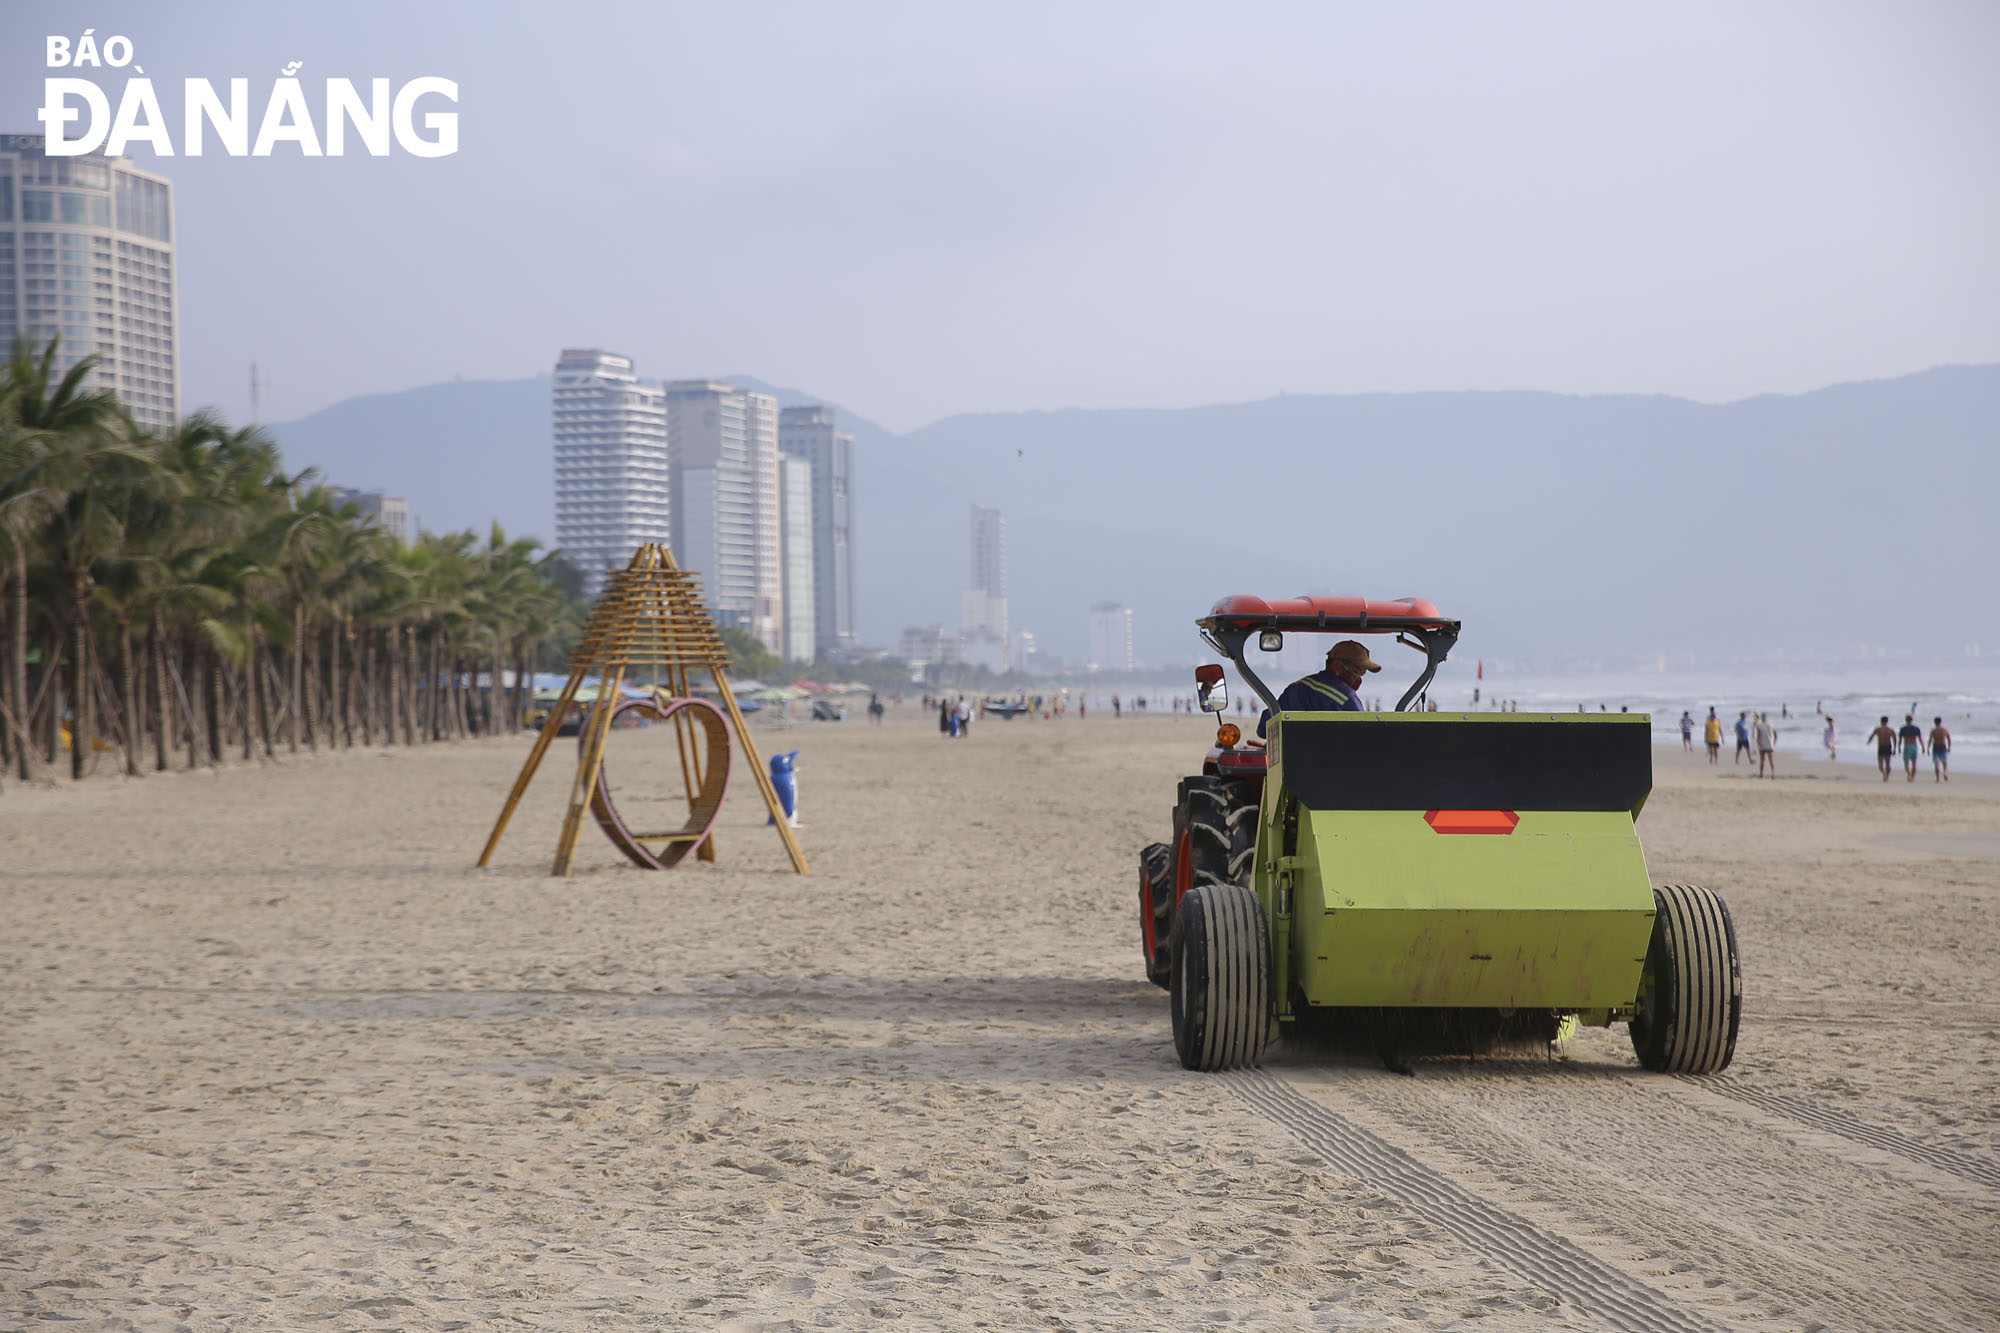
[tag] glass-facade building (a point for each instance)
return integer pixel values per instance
(724, 443)
(795, 551)
(808, 432)
(87, 256)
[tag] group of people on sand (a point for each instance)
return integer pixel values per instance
(1759, 730)
(1751, 728)
(955, 718)
(1914, 743)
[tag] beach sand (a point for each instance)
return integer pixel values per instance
(278, 1056)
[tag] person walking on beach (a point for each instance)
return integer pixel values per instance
(1767, 744)
(962, 719)
(875, 709)
(1711, 736)
(1687, 731)
(1912, 737)
(1828, 739)
(944, 717)
(1940, 751)
(1117, 709)
(1884, 737)
(1743, 736)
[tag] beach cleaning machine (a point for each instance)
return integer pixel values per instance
(1369, 867)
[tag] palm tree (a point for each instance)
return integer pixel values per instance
(24, 505)
(86, 467)
(213, 580)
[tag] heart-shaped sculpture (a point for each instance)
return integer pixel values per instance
(705, 767)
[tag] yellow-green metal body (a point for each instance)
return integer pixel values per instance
(1378, 907)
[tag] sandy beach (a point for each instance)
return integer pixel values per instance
(278, 1056)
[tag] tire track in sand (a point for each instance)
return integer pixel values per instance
(1772, 1228)
(1825, 1118)
(1553, 1263)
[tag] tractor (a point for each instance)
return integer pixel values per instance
(1371, 866)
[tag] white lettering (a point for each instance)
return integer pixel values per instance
(286, 97)
(137, 101)
(112, 49)
(443, 123)
(56, 114)
(372, 122)
(86, 50)
(58, 52)
(232, 127)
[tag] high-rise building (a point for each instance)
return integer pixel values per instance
(808, 432)
(1111, 637)
(1024, 656)
(613, 489)
(985, 603)
(929, 645)
(391, 513)
(795, 552)
(87, 255)
(724, 446)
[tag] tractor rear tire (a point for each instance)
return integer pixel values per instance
(1219, 827)
(1692, 998)
(1221, 978)
(1156, 911)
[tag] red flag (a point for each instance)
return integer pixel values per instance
(1482, 668)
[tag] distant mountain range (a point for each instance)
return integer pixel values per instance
(1558, 527)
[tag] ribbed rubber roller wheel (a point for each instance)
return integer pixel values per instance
(1221, 991)
(1691, 1000)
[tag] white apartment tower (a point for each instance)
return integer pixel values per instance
(795, 551)
(613, 489)
(808, 432)
(87, 255)
(985, 606)
(1111, 637)
(724, 446)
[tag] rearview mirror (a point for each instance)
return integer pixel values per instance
(1270, 641)
(1210, 687)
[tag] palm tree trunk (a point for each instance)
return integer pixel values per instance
(298, 676)
(392, 673)
(162, 705)
(336, 721)
(423, 655)
(269, 687)
(420, 711)
(190, 703)
(128, 691)
(52, 688)
(361, 656)
(7, 741)
(312, 696)
(212, 703)
(246, 696)
(17, 666)
(80, 722)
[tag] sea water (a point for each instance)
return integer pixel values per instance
(1798, 701)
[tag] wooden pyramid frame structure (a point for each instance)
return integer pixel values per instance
(649, 614)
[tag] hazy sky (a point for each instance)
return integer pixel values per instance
(924, 209)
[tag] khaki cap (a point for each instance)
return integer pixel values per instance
(1352, 653)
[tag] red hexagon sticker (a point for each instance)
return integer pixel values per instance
(1472, 821)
